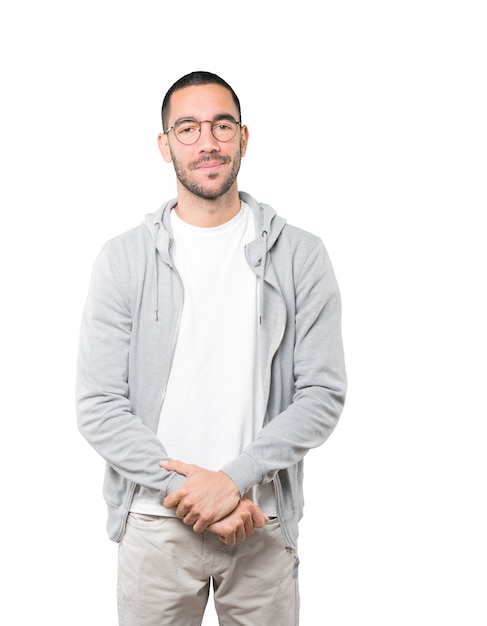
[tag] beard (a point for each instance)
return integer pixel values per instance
(200, 189)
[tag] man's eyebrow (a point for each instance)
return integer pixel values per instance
(224, 116)
(181, 120)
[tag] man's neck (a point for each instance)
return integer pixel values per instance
(207, 213)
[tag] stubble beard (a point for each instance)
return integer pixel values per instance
(200, 190)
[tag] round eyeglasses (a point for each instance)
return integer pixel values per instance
(189, 131)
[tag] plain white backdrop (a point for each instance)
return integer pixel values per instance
(368, 127)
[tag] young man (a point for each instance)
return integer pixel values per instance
(210, 362)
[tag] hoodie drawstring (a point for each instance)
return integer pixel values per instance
(157, 225)
(263, 259)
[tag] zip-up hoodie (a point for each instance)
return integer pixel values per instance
(128, 335)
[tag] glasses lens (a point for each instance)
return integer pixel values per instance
(187, 132)
(224, 131)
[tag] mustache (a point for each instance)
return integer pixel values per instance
(207, 159)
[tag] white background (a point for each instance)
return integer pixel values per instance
(368, 127)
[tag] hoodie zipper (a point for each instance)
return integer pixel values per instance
(174, 339)
(163, 394)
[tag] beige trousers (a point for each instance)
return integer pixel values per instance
(165, 570)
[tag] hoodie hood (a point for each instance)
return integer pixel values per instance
(268, 226)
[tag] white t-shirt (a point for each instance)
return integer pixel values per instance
(213, 406)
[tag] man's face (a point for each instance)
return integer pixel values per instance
(207, 168)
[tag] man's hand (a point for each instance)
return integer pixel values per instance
(240, 523)
(206, 497)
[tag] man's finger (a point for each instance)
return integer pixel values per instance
(176, 466)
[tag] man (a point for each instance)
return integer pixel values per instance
(210, 362)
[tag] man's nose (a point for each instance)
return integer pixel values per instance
(207, 141)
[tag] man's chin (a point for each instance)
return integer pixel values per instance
(208, 192)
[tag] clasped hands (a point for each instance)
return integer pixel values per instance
(211, 501)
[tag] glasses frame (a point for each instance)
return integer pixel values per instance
(212, 122)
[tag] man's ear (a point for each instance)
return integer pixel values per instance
(244, 139)
(163, 144)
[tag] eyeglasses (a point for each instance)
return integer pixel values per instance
(189, 131)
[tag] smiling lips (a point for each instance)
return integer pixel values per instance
(209, 162)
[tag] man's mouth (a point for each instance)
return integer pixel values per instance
(209, 163)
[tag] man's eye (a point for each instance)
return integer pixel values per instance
(187, 130)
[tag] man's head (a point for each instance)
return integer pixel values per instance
(195, 78)
(203, 135)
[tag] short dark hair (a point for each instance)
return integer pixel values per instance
(196, 78)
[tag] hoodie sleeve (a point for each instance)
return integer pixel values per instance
(313, 367)
(105, 417)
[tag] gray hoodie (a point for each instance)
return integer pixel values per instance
(128, 334)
